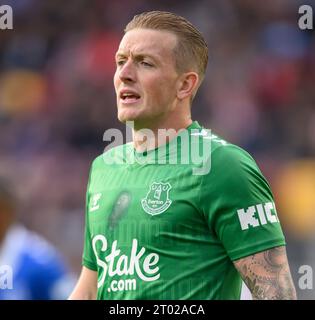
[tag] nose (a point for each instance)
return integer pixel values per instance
(127, 72)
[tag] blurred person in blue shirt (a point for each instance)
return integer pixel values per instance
(38, 270)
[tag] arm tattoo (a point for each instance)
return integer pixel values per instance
(267, 275)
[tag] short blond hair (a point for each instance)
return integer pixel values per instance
(191, 51)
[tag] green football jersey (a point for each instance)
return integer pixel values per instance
(168, 223)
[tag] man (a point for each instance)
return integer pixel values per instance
(30, 267)
(193, 230)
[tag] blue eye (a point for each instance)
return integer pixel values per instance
(146, 64)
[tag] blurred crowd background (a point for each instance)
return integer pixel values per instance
(57, 99)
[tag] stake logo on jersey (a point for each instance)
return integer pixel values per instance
(117, 264)
(157, 199)
(255, 216)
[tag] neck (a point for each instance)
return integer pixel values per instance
(151, 137)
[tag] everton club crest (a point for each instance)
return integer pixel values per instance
(157, 199)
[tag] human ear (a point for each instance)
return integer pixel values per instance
(187, 85)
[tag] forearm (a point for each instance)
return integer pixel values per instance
(86, 287)
(78, 294)
(267, 275)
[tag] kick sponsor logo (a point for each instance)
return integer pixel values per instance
(257, 215)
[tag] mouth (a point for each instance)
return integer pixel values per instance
(129, 97)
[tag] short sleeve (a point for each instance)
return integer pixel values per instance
(238, 204)
(88, 259)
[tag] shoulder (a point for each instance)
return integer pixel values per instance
(25, 242)
(40, 251)
(30, 252)
(209, 144)
(112, 156)
(235, 173)
(231, 165)
(229, 157)
(224, 157)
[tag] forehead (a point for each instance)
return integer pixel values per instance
(148, 41)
